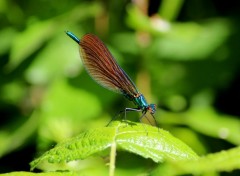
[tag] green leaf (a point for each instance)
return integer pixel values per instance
(144, 140)
(189, 41)
(42, 174)
(7, 36)
(180, 41)
(222, 161)
(207, 121)
(50, 63)
(38, 33)
(30, 40)
(60, 114)
(65, 173)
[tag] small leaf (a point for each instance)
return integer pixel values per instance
(151, 142)
(30, 40)
(37, 33)
(141, 139)
(219, 126)
(191, 41)
(23, 173)
(60, 116)
(227, 160)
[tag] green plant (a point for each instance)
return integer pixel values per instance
(182, 55)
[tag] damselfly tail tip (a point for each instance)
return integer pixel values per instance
(74, 37)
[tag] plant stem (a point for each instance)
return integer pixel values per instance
(112, 159)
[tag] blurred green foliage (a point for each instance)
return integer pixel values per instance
(182, 55)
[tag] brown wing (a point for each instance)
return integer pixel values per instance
(103, 68)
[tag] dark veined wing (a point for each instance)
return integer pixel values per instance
(103, 68)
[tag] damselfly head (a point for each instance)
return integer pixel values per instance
(152, 108)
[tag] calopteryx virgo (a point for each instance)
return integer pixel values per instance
(103, 68)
